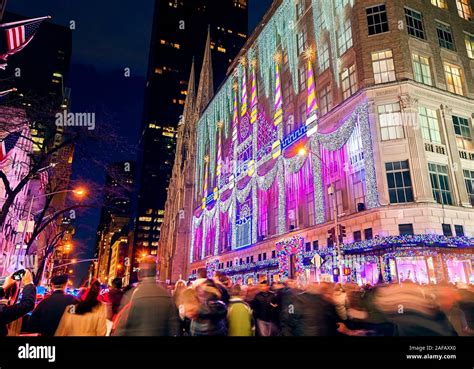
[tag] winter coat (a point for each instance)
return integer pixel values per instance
(151, 312)
(264, 305)
(10, 313)
(47, 315)
(88, 324)
(211, 320)
(239, 318)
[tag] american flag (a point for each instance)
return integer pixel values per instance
(7, 144)
(16, 36)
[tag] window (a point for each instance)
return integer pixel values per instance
(429, 125)
(414, 21)
(459, 229)
(259, 257)
(463, 133)
(357, 236)
(405, 229)
(344, 37)
(303, 112)
(325, 99)
(453, 78)
(440, 183)
(302, 41)
(324, 57)
(469, 180)
(368, 233)
(399, 182)
(264, 256)
(300, 7)
(422, 69)
(302, 78)
(377, 21)
(308, 246)
(273, 254)
(464, 9)
(382, 63)
(447, 231)
(349, 81)
(390, 119)
(440, 4)
(469, 40)
(315, 245)
(287, 91)
(445, 36)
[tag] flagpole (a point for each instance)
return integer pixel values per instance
(24, 21)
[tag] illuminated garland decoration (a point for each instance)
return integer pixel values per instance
(211, 267)
(200, 151)
(320, 214)
(224, 205)
(285, 248)
(267, 46)
(266, 181)
(204, 190)
(294, 164)
(193, 229)
(243, 194)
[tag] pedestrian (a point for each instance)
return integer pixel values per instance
(11, 311)
(48, 313)
(114, 298)
(210, 319)
(240, 320)
(201, 277)
(222, 281)
(87, 318)
(151, 310)
(263, 307)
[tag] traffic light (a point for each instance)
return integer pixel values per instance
(332, 234)
(342, 230)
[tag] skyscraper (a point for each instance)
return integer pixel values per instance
(179, 33)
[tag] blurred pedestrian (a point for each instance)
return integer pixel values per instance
(87, 318)
(151, 310)
(48, 313)
(114, 298)
(263, 307)
(10, 311)
(239, 315)
(201, 277)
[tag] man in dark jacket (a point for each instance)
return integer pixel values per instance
(47, 315)
(263, 307)
(151, 311)
(10, 313)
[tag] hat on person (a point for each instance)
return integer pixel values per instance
(59, 280)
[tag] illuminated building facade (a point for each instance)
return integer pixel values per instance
(356, 114)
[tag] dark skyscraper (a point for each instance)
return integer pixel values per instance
(179, 33)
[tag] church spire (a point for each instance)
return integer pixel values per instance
(206, 82)
(190, 97)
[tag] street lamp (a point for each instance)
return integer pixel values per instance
(303, 151)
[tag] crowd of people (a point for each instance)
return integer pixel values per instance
(217, 307)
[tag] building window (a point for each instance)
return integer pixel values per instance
(414, 21)
(302, 78)
(264, 256)
(469, 180)
(302, 41)
(324, 57)
(440, 183)
(422, 69)
(464, 9)
(447, 231)
(382, 63)
(390, 119)
(300, 8)
(349, 81)
(399, 182)
(273, 254)
(405, 229)
(440, 4)
(463, 133)
(459, 229)
(315, 245)
(469, 40)
(259, 257)
(368, 233)
(325, 99)
(357, 236)
(377, 20)
(287, 91)
(429, 125)
(308, 246)
(344, 37)
(303, 112)
(445, 36)
(453, 78)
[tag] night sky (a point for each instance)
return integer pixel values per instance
(109, 37)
